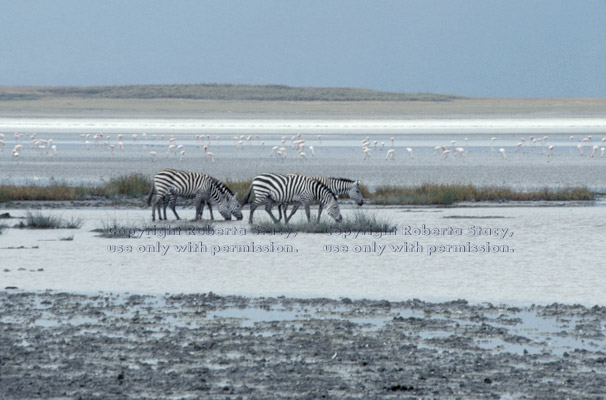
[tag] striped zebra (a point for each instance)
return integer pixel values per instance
(338, 186)
(234, 206)
(169, 184)
(274, 188)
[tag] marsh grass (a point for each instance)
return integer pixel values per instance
(138, 185)
(38, 220)
(36, 192)
(134, 185)
(239, 187)
(433, 194)
(360, 221)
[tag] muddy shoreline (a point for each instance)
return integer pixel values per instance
(107, 345)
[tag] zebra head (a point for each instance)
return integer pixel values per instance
(355, 194)
(224, 209)
(332, 208)
(235, 208)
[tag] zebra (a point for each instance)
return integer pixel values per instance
(169, 184)
(233, 204)
(274, 188)
(338, 186)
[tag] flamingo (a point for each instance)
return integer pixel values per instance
(153, 155)
(311, 149)
(282, 153)
(502, 151)
(409, 151)
(549, 150)
(593, 150)
(390, 155)
(208, 154)
(460, 151)
(580, 147)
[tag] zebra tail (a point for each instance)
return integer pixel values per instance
(247, 195)
(151, 194)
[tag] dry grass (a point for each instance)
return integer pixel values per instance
(135, 185)
(433, 194)
(138, 185)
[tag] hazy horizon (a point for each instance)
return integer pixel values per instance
(469, 48)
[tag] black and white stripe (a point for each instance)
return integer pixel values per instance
(169, 184)
(339, 186)
(302, 190)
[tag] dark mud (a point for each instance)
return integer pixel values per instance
(106, 346)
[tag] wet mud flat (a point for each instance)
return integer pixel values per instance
(189, 346)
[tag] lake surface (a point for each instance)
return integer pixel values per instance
(536, 255)
(555, 254)
(504, 152)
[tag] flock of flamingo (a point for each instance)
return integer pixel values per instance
(297, 146)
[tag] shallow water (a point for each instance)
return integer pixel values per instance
(244, 148)
(542, 255)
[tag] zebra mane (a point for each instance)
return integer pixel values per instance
(223, 187)
(342, 179)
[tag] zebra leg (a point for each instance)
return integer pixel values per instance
(307, 212)
(320, 211)
(155, 204)
(283, 208)
(253, 206)
(172, 204)
(268, 203)
(210, 209)
(165, 200)
(294, 210)
(199, 208)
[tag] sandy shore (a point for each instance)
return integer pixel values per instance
(61, 345)
(183, 108)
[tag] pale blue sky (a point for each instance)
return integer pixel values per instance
(485, 48)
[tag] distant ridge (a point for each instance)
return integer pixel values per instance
(216, 92)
